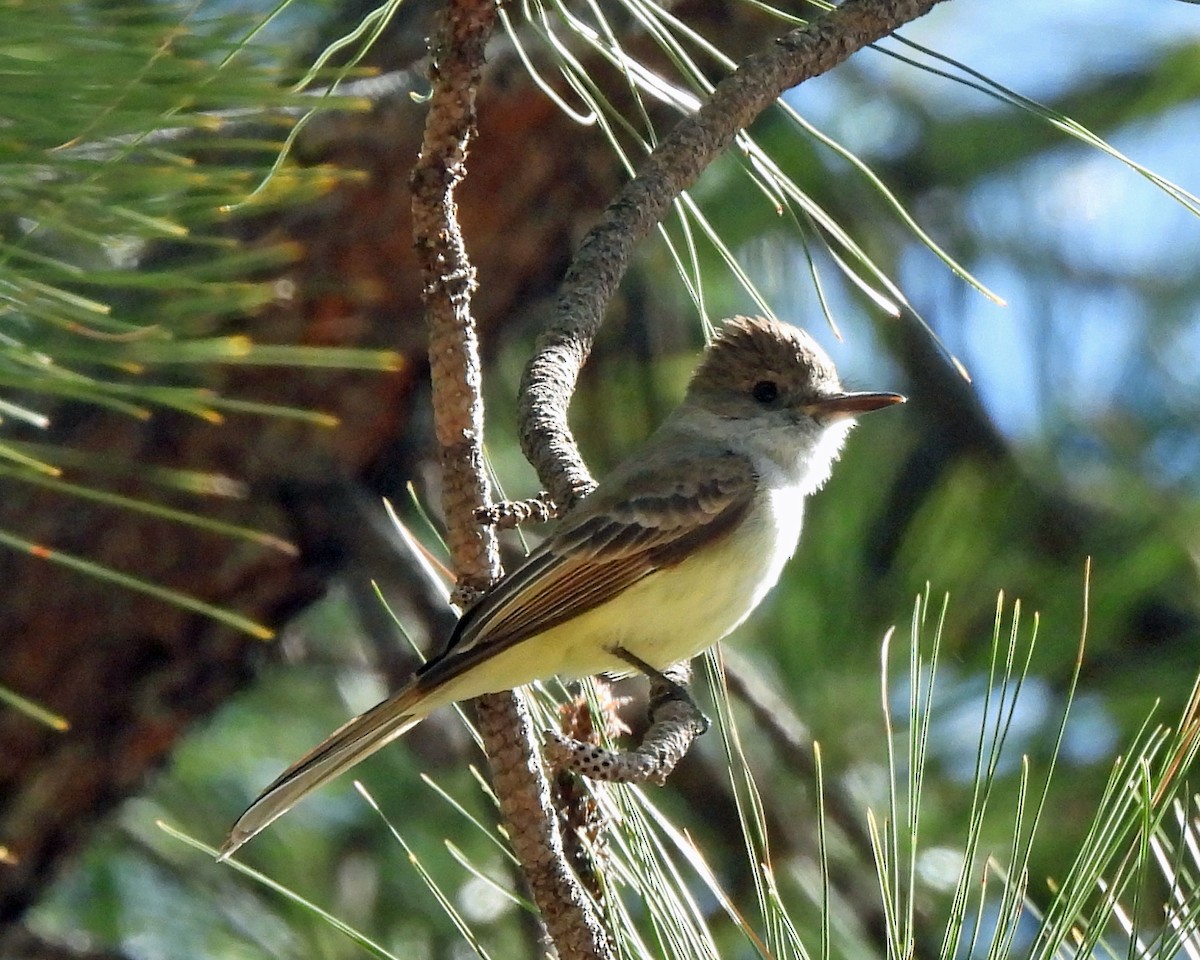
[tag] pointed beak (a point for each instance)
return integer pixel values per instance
(843, 405)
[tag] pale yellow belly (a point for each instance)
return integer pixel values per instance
(669, 616)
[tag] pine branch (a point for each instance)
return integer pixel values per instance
(677, 162)
(449, 280)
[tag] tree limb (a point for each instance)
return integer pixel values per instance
(673, 166)
(449, 280)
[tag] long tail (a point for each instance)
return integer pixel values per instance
(345, 747)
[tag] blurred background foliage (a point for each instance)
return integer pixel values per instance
(1076, 436)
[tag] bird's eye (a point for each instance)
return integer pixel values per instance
(765, 391)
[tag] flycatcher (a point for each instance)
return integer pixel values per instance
(670, 553)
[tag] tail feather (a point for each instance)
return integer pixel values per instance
(345, 747)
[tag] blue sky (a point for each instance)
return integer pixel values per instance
(1076, 239)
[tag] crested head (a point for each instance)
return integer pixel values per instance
(766, 389)
(752, 358)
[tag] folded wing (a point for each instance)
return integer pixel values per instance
(644, 521)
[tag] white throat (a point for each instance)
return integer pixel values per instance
(797, 456)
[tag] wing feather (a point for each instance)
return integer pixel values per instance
(609, 543)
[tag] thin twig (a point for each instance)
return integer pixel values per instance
(449, 280)
(513, 513)
(675, 722)
(673, 166)
(673, 728)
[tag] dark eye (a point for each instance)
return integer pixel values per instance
(765, 391)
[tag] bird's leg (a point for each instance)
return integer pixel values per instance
(664, 687)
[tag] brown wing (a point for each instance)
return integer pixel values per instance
(608, 544)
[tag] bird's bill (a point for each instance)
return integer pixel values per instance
(843, 405)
